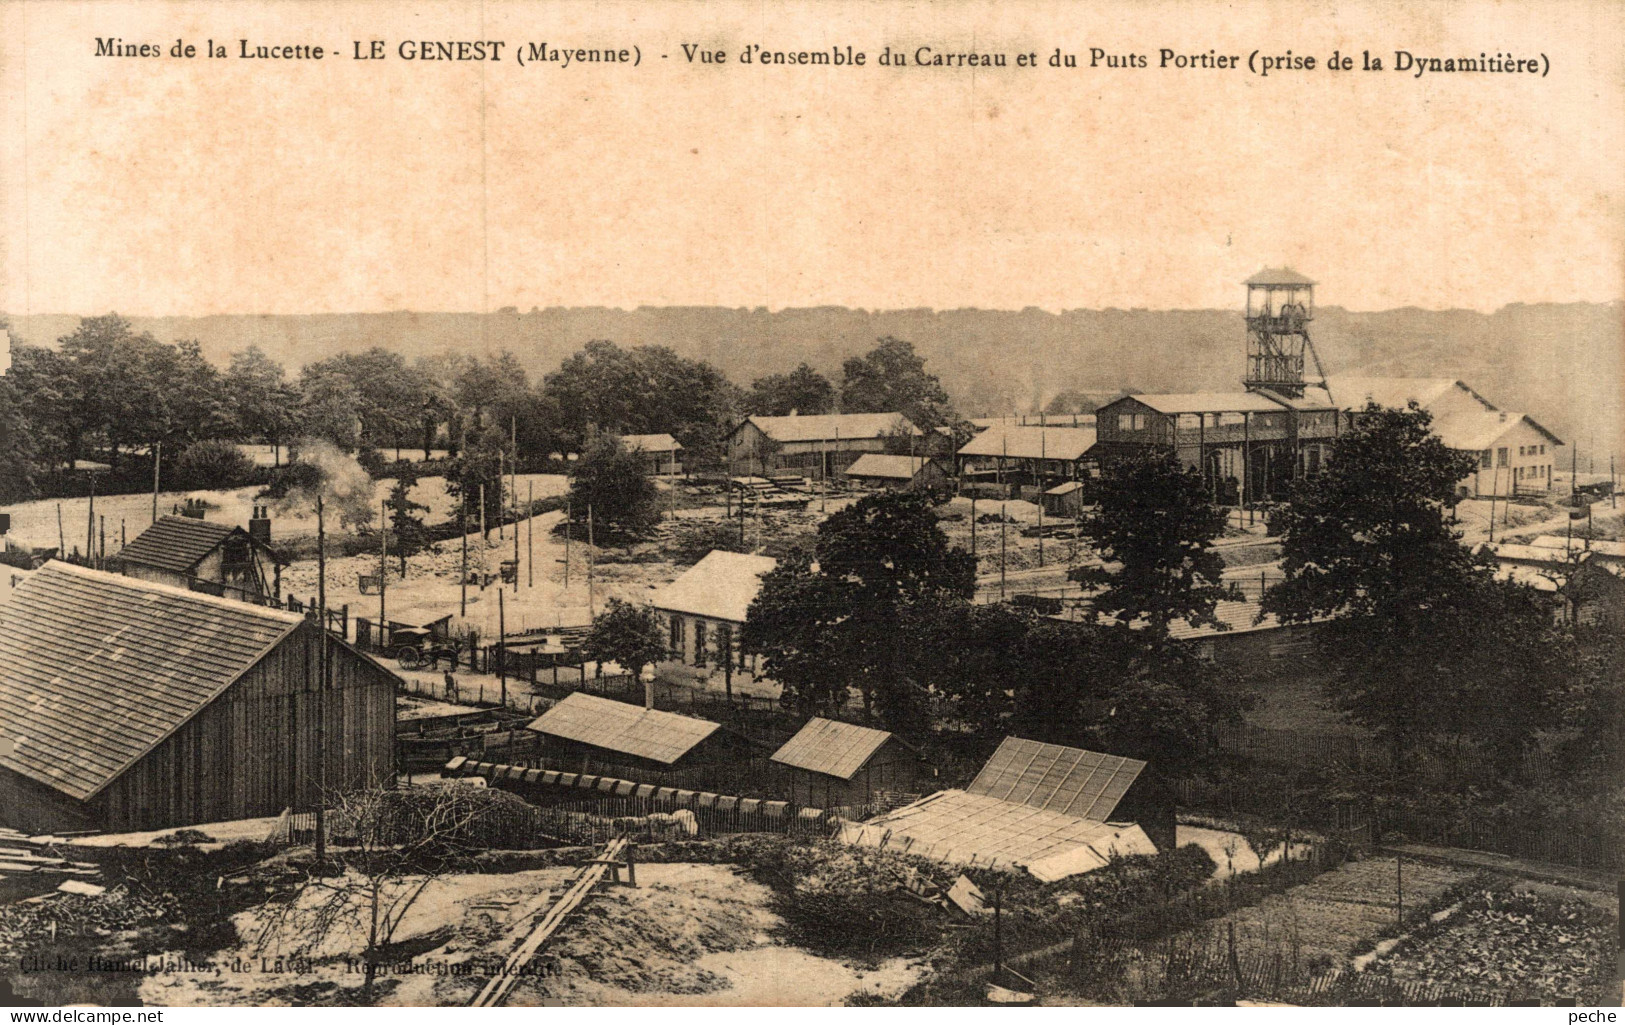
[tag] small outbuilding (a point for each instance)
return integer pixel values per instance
(1065, 499)
(599, 735)
(1046, 809)
(201, 555)
(839, 765)
(127, 705)
(662, 453)
(897, 473)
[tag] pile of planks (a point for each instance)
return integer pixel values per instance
(22, 855)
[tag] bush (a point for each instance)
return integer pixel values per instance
(211, 466)
(372, 461)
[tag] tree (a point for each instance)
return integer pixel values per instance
(17, 450)
(259, 401)
(212, 465)
(478, 465)
(615, 484)
(405, 519)
(1070, 402)
(328, 407)
(891, 378)
(1367, 541)
(844, 625)
(627, 635)
(803, 390)
(1154, 528)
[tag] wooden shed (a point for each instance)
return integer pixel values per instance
(202, 556)
(594, 734)
(127, 705)
(838, 765)
(897, 473)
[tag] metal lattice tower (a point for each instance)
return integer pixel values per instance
(1280, 305)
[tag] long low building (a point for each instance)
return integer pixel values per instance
(127, 705)
(596, 734)
(1033, 807)
(817, 446)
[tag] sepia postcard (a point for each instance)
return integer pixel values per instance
(612, 504)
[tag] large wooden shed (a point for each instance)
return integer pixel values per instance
(837, 765)
(127, 705)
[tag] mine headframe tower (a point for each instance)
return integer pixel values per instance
(1280, 306)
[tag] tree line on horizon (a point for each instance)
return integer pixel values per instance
(109, 393)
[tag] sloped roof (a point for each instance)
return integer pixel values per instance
(1065, 780)
(1207, 402)
(97, 669)
(628, 729)
(1278, 276)
(177, 543)
(1312, 399)
(846, 426)
(720, 586)
(1066, 488)
(833, 748)
(1545, 555)
(1476, 430)
(1031, 442)
(959, 827)
(874, 464)
(652, 443)
(1353, 392)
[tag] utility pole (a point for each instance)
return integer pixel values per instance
(157, 460)
(671, 481)
(502, 649)
(590, 560)
(569, 515)
(973, 525)
(501, 458)
(321, 686)
(61, 538)
(383, 565)
(484, 537)
(462, 580)
(1043, 453)
(530, 536)
(90, 526)
(1001, 551)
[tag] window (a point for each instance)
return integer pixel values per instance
(1500, 457)
(1190, 421)
(1139, 421)
(677, 636)
(699, 642)
(1484, 459)
(1543, 450)
(1517, 473)
(725, 644)
(1130, 421)
(1232, 419)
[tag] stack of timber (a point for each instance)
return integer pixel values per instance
(29, 863)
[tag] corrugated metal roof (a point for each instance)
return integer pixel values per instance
(1031, 442)
(720, 586)
(629, 729)
(97, 669)
(176, 543)
(651, 443)
(830, 426)
(1278, 276)
(1209, 402)
(1065, 780)
(873, 464)
(959, 827)
(833, 748)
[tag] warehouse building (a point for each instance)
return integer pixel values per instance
(127, 705)
(815, 446)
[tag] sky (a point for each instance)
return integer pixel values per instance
(174, 186)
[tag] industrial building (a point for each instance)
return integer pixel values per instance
(897, 473)
(818, 446)
(1028, 454)
(662, 453)
(128, 705)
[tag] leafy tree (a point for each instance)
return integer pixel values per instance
(1069, 402)
(479, 464)
(615, 484)
(259, 400)
(645, 390)
(844, 625)
(212, 465)
(47, 399)
(891, 378)
(17, 450)
(1369, 542)
(328, 407)
(405, 517)
(803, 390)
(628, 635)
(1154, 527)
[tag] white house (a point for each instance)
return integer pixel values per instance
(705, 609)
(1515, 454)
